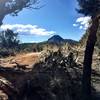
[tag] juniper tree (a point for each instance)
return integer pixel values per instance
(89, 8)
(9, 39)
(15, 6)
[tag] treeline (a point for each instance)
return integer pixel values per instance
(30, 47)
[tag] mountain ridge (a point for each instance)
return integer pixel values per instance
(57, 39)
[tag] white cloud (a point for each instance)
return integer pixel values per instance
(75, 25)
(82, 22)
(81, 27)
(27, 29)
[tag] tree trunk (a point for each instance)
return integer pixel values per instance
(1, 18)
(87, 65)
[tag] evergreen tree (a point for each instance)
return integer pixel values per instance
(9, 39)
(89, 8)
(15, 6)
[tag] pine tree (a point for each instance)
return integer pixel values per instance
(89, 8)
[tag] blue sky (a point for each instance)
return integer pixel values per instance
(56, 17)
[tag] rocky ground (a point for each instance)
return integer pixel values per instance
(59, 64)
(18, 62)
(95, 68)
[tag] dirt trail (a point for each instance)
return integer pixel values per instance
(23, 59)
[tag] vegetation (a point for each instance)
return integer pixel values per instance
(9, 39)
(55, 78)
(54, 42)
(31, 47)
(89, 8)
(14, 6)
(84, 38)
(9, 43)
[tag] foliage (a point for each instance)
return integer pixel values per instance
(84, 38)
(8, 39)
(55, 78)
(9, 43)
(89, 7)
(59, 75)
(15, 6)
(98, 38)
(5, 53)
(31, 47)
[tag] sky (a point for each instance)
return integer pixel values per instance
(55, 17)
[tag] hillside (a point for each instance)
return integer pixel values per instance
(56, 39)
